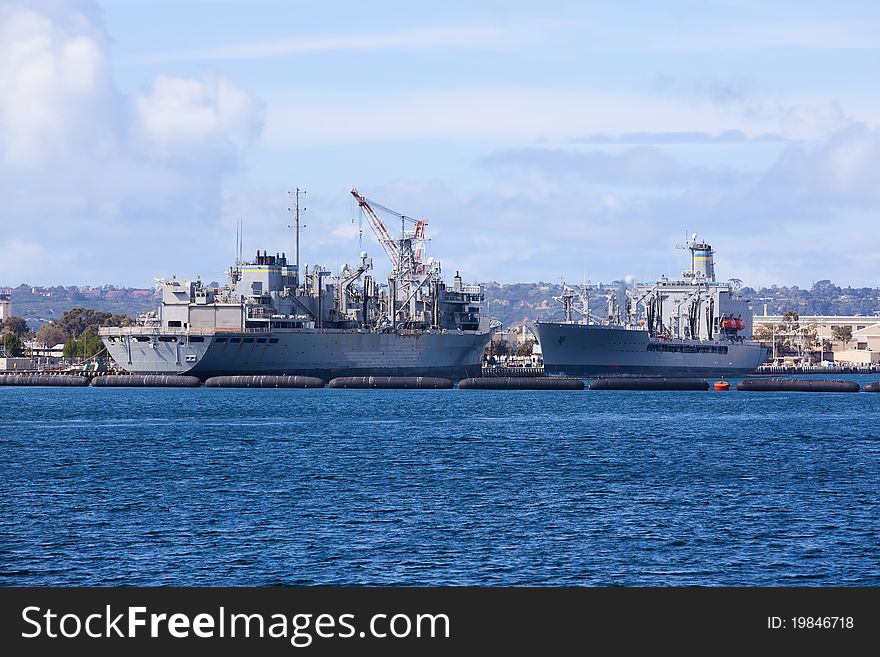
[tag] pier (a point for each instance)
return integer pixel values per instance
(509, 372)
(816, 369)
(392, 382)
(522, 381)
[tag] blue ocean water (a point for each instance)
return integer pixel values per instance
(108, 486)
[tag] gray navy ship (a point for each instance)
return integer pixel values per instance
(692, 326)
(269, 320)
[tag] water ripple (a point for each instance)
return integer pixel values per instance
(303, 487)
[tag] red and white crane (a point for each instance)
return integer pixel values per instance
(407, 261)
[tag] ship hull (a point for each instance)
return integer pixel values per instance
(594, 350)
(308, 352)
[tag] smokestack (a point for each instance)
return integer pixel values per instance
(703, 260)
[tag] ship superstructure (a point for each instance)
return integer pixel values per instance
(268, 318)
(690, 326)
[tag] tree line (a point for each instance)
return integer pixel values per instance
(792, 337)
(76, 329)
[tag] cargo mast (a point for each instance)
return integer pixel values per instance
(295, 211)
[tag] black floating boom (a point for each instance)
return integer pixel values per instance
(649, 383)
(146, 381)
(43, 380)
(873, 387)
(408, 382)
(521, 383)
(264, 381)
(796, 385)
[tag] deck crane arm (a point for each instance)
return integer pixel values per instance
(382, 235)
(349, 276)
(419, 237)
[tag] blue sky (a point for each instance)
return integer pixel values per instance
(541, 140)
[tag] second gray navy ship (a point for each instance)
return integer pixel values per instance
(268, 319)
(692, 326)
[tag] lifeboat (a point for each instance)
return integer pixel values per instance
(729, 324)
(740, 324)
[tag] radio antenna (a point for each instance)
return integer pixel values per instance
(296, 226)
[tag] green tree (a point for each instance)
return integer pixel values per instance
(51, 334)
(767, 333)
(74, 323)
(79, 320)
(498, 348)
(809, 338)
(12, 345)
(764, 333)
(791, 321)
(791, 332)
(525, 349)
(16, 325)
(842, 333)
(495, 349)
(85, 346)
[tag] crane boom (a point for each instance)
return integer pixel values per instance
(404, 259)
(419, 238)
(382, 235)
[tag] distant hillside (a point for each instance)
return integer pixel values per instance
(39, 305)
(512, 304)
(521, 302)
(824, 298)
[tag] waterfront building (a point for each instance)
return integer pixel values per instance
(862, 348)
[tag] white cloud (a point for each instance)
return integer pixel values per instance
(808, 216)
(844, 170)
(531, 222)
(24, 258)
(124, 182)
(470, 37)
(689, 137)
(178, 115)
(641, 165)
(830, 34)
(106, 186)
(527, 113)
(54, 85)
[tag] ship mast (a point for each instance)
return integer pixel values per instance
(296, 210)
(567, 299)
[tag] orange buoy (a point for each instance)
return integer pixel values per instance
(722, 385)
